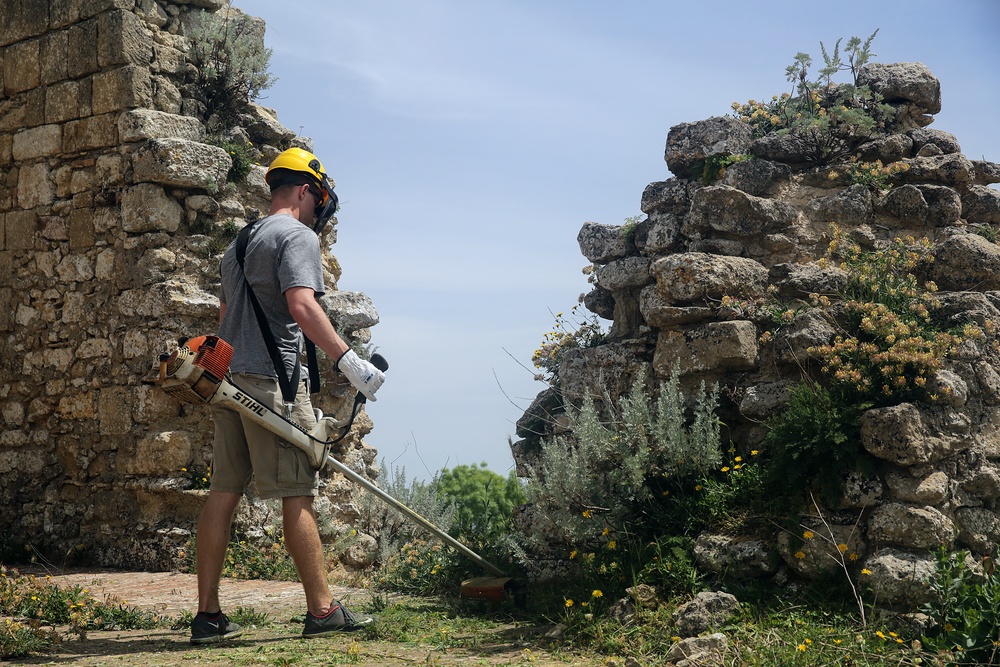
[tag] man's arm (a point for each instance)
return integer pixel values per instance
(309, 315)
(311, 318)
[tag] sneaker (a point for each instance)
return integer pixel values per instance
(338, 619)
(210, 628)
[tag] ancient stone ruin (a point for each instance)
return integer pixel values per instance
(762, 229)
(115, 207)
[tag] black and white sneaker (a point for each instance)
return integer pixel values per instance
(338, 619)
(210, 628)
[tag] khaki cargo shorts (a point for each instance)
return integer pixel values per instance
(243, 449)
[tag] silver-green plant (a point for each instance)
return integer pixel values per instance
(606, 471)
(228, 48)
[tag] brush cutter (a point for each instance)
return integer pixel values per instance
(197, 372)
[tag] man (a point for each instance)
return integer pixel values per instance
(283, 268)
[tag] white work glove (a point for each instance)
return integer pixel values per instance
(362, 374)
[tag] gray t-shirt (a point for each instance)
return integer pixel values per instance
(281, 253)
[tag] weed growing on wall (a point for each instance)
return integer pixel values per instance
(232, 62)
(828, 119)
(569, 333)
(964, 610)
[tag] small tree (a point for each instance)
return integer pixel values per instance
(482, 500)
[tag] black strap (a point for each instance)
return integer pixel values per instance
(289, 386)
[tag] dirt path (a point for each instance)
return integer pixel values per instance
(278, 644)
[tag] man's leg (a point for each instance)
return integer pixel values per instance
(306, 549)
(213, 538)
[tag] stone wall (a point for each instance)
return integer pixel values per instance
(113, 213)
(760, 230)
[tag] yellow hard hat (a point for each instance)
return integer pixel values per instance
(297, 160)
(302, 161)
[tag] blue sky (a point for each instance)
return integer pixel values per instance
(470, 141)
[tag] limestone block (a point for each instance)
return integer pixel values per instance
(981, 205)
(743, 558)
(76, 308)
(23, 19)
(708, 609)
(900, 578)
(760, 178)
(953, 170)
(688, 277)
(860, 491)
(75, 268)
(182, 163)
(819, 556)
(795, 280)
(54, 56)
(967, 261)
(657, 234)
(105, 264)
(122, 88)
(265, 127)
(725, 209)
(147, 208)
(21, 70)
(35, 186)
(172, 296)
(929, 490)
(123, 40)
(907, 435)
(62, 102)
(903, 82)
(614, 368)
(90, 133)
(659, 313)
(689, 144)
(349, 311)
(985, 172)
(946, 142)
(624, 273)
(160, 454)
(888, 149)
(114, 406)
(150, 404)
(697, 651)
(670, 196)
(82, 43)
(978, 529)
(36, 142)
(765, 400)
(141, 124)
(19, 230)
(910, 527)
(852, 206)
(90, 8)
(811, 328)
(601, 243)
(715, 346)
(151, 12)
(166, 96)
(77, 406)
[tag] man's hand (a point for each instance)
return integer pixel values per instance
(362, 374)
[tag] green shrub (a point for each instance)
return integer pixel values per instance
(610, 475)
(965, 612)
(228, 48)
(813, 442)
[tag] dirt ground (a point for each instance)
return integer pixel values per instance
(277, 645)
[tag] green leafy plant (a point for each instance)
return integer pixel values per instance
(965, 610)
(228, 48)
(243, 155)
(891, 344)
(711, 170)
(827, 119)
(812, 442)
(614, 472)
